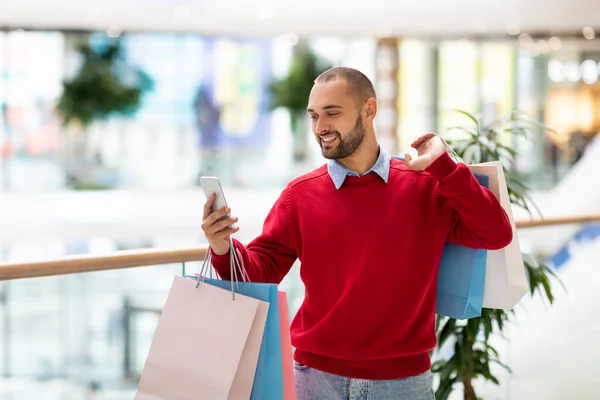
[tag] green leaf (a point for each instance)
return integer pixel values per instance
(447, 369)
(471, 131)
(445, 389)
(447, 331)
(488, 327)
(470, 116)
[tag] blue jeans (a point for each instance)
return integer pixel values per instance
(312, 384)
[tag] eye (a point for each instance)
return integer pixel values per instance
(333, 114)
(313, 117)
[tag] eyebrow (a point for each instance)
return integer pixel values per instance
(328, 107)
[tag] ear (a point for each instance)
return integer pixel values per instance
(370, 109)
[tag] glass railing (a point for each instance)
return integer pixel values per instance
(80, 327)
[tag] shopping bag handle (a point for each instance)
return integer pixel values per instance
(235, 267)
(449, 149)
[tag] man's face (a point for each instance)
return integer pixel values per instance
(336, 121)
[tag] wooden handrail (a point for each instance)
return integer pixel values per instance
(141, 258)
(540, 222)
(88, 263)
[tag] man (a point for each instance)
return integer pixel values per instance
(369, 231)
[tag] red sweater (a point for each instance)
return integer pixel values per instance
(369, 256)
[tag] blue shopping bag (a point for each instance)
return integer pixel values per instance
(268, 381)
(461, 278)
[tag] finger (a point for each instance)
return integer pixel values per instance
(211, 224)
(418, 140)
(422, 139)
(407, 160)
(416, 164)
(425, 145)
(225, 233)
(217, 215)
(214, 217)
(220, 225)
(208, 206)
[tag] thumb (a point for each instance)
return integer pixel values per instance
(408, 160)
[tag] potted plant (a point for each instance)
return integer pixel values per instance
(473, 354)
(104, 87)
(292, 92)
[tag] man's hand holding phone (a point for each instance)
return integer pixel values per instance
(218, 226)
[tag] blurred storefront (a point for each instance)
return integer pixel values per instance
(208, 112)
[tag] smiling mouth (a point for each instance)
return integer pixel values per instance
(328, 139)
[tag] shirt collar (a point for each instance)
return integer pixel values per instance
(338, 172)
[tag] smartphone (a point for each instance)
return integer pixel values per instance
(212, 185)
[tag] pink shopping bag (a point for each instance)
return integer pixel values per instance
(289, 388)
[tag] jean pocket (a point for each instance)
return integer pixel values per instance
(299, 367)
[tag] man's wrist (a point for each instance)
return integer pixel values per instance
(443, 166)
(219, 253)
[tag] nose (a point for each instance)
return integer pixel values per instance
(320, 127)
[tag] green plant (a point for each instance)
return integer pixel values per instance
(90, 186)
(104, 86)
(292, 91)
(473, 354)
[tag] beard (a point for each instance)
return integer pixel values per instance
(347, 144)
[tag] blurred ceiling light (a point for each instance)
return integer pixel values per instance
(543, 46)
(588, 32)
(525, 39)
(556, 71)
(534, 51)
(513, 29)
(182, 11)
(113, 31)
(292, 38)
(573, 72)
(265, 13)
(589, 71)
(555, 43)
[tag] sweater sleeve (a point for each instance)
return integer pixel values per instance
(269, 257)
(478, 221)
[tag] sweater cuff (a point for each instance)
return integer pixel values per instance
(442, 167)
(221, 263)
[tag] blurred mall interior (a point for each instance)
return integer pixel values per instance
(201, 76)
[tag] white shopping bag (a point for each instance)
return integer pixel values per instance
(505, 279)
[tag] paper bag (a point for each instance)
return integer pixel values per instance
(268, 380)
(461, 277)
(289, 386)
(461, 282)
(206, 345)
(505, 279)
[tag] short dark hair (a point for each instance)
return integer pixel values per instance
(358, 83)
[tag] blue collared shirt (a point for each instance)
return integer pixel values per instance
(338, 172)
